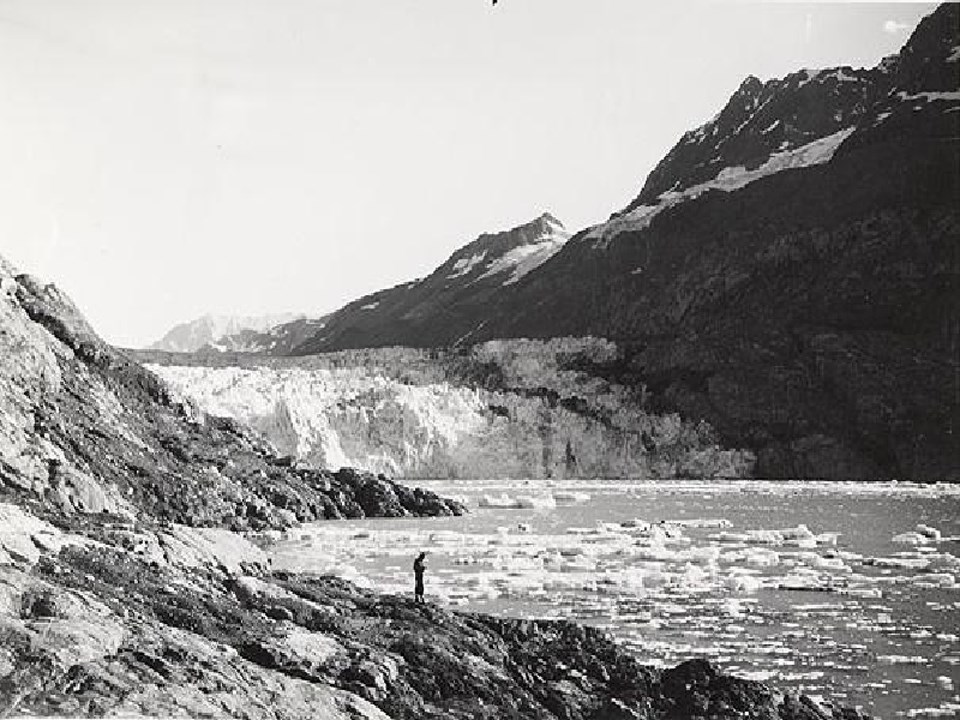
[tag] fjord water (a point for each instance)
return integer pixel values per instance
(841, 608)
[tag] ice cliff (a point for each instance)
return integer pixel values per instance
(505, 409)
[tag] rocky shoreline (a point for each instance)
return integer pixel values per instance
(104, 617)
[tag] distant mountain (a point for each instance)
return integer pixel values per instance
(789, 272)
(440, 309)
(280, 339)
(210, 330)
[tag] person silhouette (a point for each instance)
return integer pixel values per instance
(419, 565)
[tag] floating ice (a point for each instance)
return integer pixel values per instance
(678, 587)
(702, 523)
(743, 583)
(502, 502)
(928, 532)
(539, 502)
(911, 538)
(566, 496)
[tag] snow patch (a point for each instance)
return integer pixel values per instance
(809, 75)
(730, 178)
(371, 306)
(464, 265)
(524, 259)
(930, 96)
(839, 75)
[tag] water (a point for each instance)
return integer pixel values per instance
(838, 609)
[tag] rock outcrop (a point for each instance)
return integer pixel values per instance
(100, 629)
(85, 429)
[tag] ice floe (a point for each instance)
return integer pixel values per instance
(814, 599)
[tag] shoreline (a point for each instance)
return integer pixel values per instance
(152, 620)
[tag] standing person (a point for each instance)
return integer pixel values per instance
(419, 565)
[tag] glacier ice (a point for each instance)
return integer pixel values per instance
(403, 412)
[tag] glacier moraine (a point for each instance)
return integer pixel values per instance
(846, 590)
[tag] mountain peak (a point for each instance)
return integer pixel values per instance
(750, 86)
(536, 230)
(802, 119)
(549, 218)
(519, 250)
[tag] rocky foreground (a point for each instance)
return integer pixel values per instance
(118, 618)
(127, 588)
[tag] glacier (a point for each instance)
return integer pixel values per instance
(504, 409)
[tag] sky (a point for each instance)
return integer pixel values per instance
(163, 159)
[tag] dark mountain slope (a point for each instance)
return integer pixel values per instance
(441, 309)
(811, 314)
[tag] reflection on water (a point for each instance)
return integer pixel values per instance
(847, 591)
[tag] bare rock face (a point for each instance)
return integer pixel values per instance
(84, 429)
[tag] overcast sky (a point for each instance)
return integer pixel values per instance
(161, 159)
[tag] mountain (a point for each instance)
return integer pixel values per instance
(788, 272)
(440, 309)
(801, 120)
(220, 332)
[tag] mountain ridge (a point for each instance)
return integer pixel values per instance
(460, 289)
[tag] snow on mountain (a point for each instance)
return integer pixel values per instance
(730, 178)
(516, 251)
(440, 309)
(793, 122)
(211, 329)
(465, 266)
(524, 258)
